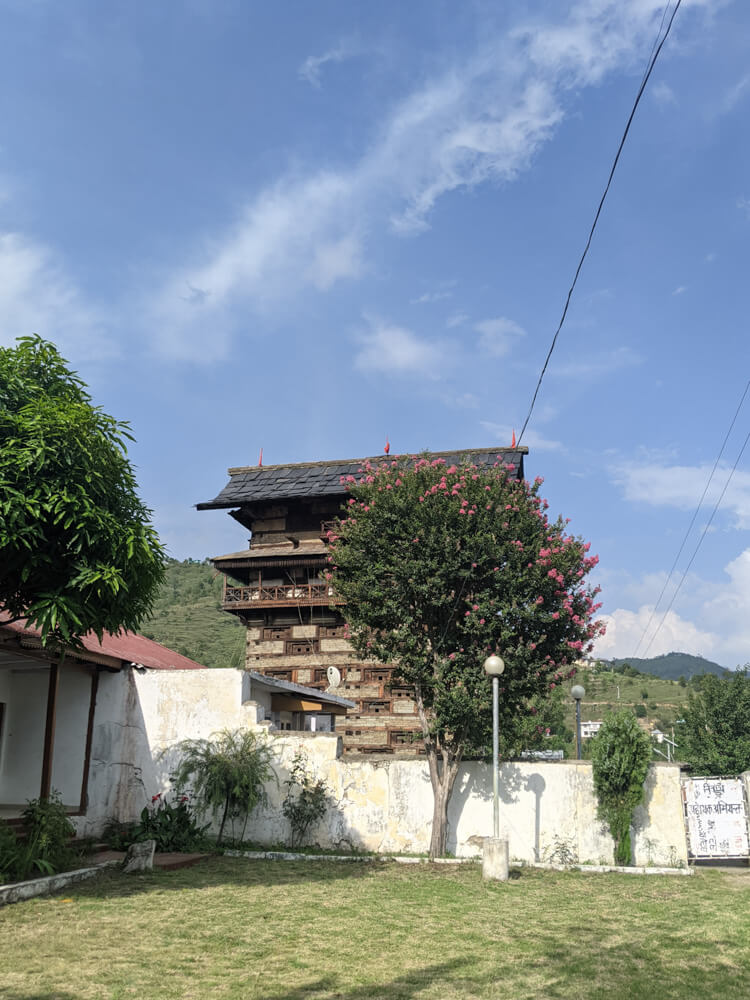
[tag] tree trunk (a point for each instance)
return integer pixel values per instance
(443, 776)
(443, 764)
(223, 821)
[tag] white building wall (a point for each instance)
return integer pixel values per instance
(71, 722)
(548, 809)
(26, 713)
(139, 717)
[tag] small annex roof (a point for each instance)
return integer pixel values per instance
(276, 684)
(257, 483)
(113, 651)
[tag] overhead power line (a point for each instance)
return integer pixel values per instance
(652, 62)
(690, 526)
(700, 542)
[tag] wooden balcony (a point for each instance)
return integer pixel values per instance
(282, 596)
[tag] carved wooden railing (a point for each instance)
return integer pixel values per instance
(283, 594)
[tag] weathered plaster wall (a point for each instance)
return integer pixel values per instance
(139, 717)
(548, 809)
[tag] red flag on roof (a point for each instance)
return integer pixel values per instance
(260, 457)
(513, 441)
(387, 446)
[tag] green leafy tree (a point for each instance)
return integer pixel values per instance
(620, 753)
(79, 552)
(227, 774)
(715, 738)
(440, 567)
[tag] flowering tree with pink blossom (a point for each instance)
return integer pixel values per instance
(441, 566)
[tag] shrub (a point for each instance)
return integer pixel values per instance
(44, 847)
(306, 800)
(119, 836)
(640, 711)
(621, 753)
(227, 774)
(172, 826)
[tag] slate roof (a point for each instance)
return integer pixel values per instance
(252, 484)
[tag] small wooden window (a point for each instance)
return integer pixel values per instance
(375, 707)
(379, 675)
(277, 632)
(280, 675)
(301, 647)
(333, 631)
(401, 737)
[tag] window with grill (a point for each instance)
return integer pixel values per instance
(375, 707)
(299, 647)
(277, 632)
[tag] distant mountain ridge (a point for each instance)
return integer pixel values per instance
(672, 666)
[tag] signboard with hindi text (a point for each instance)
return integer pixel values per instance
(716, 817)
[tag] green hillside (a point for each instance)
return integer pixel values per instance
(673, 665)
(657, 700)
(187, 616)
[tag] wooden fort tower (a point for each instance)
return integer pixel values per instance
(295, 624)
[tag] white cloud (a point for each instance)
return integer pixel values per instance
(503, 433)
(457, 319)
(296, 235)
(663, 94)
(389, 349)
(625, 630)
(682, 485)
(482, 119)
(336, 260)
(498, 336)
(680, 290)
(718, 626)
(430, 297)
(310, 69)
(596, 366)
(744, 206)
(467, 401)
(735, 94)
(37, 296)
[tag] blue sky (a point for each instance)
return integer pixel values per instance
(306, 226)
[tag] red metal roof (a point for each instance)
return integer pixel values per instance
(127, 646)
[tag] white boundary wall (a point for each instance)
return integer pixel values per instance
(548, 809)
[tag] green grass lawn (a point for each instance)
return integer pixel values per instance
(236, 928)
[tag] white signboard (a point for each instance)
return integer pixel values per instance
(716, 816)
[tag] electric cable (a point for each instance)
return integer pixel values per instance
(700, 542)
(616, 160)
(692, 520)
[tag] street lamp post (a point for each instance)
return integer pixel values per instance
(493, 667)
(578, 692)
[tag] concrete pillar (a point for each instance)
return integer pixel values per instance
(495, 859)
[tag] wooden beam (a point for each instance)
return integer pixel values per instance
(49, 731)
(89, 737)
(287, 703)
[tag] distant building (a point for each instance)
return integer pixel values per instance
(295, 628)
(589, 729)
